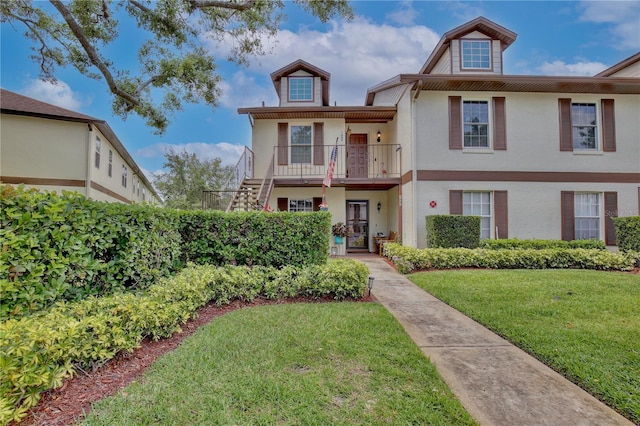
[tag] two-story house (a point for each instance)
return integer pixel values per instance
(535, 156)
(54, 149)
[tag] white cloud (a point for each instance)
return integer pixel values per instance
(58, 93)
(358, 54)
(576, 69)
(623, 18)
(405, 15)
(228, 153)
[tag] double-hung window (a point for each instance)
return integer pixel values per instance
(124, 176)
(587, 216)
(110, 170)
(478, 204)
(97, 156)
(583, 126)
(475, 124)
(300, 88)
(301, 205)
(476, 54)
(301, 144)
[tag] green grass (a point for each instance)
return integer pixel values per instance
(584, 324)
(311, 364)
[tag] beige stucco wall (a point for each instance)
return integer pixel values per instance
(41, 148)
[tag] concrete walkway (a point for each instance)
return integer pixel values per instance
(497, 383)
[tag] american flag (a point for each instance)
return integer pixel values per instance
(332, 166)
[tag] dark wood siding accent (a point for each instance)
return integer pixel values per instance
(318, 144)
(566, 140)
(608, 126)
(455, 202)
(283, 144)
(501, 211)
(455, 122)
(610, 211)
(316, 203)
(283, 204)
(499, 124)
(109, 192)
(567, 215)
(407, 177)
(16, 180)
(524, 176)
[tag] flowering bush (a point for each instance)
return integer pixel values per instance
(339, 229)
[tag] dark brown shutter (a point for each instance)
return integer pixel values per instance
(501, 214)
(283, 144)
(455, 123)
(610, 210)
(318, 144)
(608, 126)
(499, 124)
(567, 215)
(455, 202)
(316, 203)
(566, 139)
(283, 204)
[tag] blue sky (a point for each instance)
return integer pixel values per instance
(386, 38)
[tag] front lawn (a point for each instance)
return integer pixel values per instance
(330, 363)
(584, 324)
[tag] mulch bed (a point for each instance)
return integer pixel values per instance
(72, 401)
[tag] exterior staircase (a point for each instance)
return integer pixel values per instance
(246, 196)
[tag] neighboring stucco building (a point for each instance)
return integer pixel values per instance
(54, 149)
(536, 156)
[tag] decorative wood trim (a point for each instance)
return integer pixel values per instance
(608, 125)
(109, 192)
(499, 124)
(566, 139)
(455, 122)
(283, 144)
(525, 176)
(407, 177)
(455, 202)
(16, 180)
(610, 211)
(318, 144)
(501, 211)
(567, 216)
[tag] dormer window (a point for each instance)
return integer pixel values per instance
(476, 54)
(301, 88)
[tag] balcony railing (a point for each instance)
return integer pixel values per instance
(379, 161)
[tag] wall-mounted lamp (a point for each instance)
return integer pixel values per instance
(379, 206)
(379, 136)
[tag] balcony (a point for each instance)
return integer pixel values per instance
(354, 164)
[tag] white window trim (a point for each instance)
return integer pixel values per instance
(297, 201)
(293, 78)
(598, 148)
(478, 149)
(600, 216)
(97, 157)
(292, 145)
(491, 215)
(461, 47)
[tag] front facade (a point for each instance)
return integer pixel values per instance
(534, 156)
(54, 149)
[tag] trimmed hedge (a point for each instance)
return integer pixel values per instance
(255, 238)
(628, 233)
(67, 247)
(37, 352)
(453, 231)
(408, 259)
(515, 243)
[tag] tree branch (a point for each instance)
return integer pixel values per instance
(93, 54)
(203, 4)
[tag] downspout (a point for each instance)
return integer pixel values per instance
(414, 172)
(87, 184)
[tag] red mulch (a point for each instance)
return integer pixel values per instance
(72, 401)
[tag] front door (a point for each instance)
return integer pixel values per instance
(358, 225)
(357, 159)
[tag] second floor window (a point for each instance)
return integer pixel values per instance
(476, 124)
(476, 54)
(124, 176)
(300, 88)
(97, 157)
(110, 163)
(300, 144)
(583, 126)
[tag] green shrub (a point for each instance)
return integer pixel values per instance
(628, 233)
(515, 243)
(453, 231)
(409, 258)
(37, 352)
(67, 247)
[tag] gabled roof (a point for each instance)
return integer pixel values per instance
(298, 65)
(482, 24)
(620, 66)
(16, 104)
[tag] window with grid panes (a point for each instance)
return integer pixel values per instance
(301, 205)
(475, 124)
(476, 54)
(300, 88)
(584, 126)
(587, 216)
(478, 204)
(300, 144)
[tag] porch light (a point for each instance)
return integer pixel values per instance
(370, 284)
(379, 206)
(379, 136)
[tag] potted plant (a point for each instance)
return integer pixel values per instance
(339, 231)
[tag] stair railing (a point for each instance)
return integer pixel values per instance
(265, 190)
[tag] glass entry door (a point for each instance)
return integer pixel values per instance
(358, 225)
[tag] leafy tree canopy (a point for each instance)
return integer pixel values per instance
(174, 67)
(187, 176)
